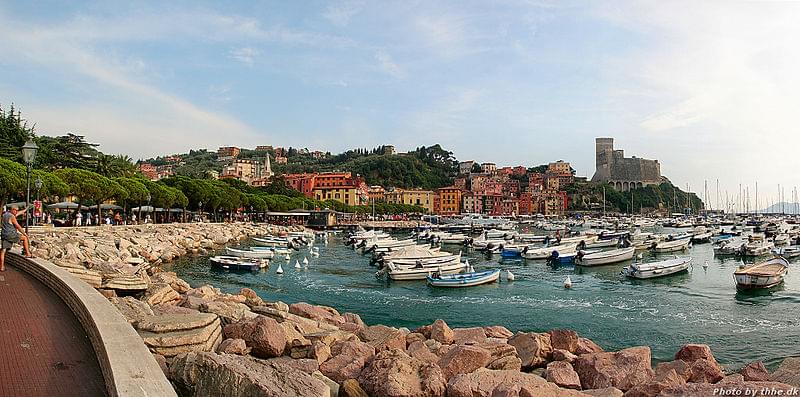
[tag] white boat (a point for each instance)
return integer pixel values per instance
(672, 245)
(758, 248)
(702, 237)
(657, 269)
(546, 252)
(606, 257)
(421, 273)
(425, 262)
(729, 248)
(787, 252)
(765, 274)
(782, 239)
(235, 263)
(253, 254)
(274, 250)
(603, 244)
(464, 280)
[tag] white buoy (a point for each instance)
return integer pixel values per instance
(288, 257)
(296, 264)
(305, 261)
(280, 269)
(568, 283)
(509, 275)
(705, 265)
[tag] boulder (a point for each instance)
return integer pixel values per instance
(206, 292)
(351, 388)
(605, 392)
(173, 309)
(788, 372)
(126, 283)
(564, 339)
(422, 352)
(263, 335)
(132, 309)
(623, 369)
(314, 312)
(506, 363)
(382, 337)
(347, 360)
(229, 312)
(209, 374)
(706, 371)
(463, 359)
(692, 352)
(233, 346)
(414, 337)
(533, 349)
(441, 333)
(472, 335)
(497, 331)
(586, 346)
(333, 386)
(173, 334)
(491, 383)
(662, 381)
(160, 294)
(320, 352)
(251, 298)
(680, 367)
(393, 373)
(305, 365)
(755, 372)
(563, 355)
(562, 374)
(172, 279)
(425, 330)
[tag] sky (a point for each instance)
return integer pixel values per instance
(710, 89)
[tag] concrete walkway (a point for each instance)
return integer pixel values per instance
(44, 351)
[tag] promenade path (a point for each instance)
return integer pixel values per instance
(44, 351)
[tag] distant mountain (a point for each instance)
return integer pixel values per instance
(783, 207)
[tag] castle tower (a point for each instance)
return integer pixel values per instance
(604, 159)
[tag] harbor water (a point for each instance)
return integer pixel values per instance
(701, 306)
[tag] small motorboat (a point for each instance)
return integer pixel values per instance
(547, 252)
(765, 274)
(250, 253)
(234, 263)
(728, 248)
(702, 237)
(758, 248)
(657, 269)
(787, 252)
(464, 280)
(605, 257)
(672, 245)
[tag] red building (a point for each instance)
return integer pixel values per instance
(149, 171)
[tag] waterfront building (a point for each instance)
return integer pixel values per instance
(488, 168)
(422, 198)
(449, 200)
(350, 194)
(303, 183)
(376, 194)
(228, 152)
(623, 173)
(471, 203)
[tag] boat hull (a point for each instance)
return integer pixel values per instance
(647, 272)
(469, 280)
(599, 258)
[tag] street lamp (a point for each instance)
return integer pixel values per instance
(149, 197)
(200, 209)
(38, 184)
(28, 154)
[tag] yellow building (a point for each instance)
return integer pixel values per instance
(344, 194)
(449, 200)
(560, 167)
(422, 198)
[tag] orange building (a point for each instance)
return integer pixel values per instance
(449, 201)
(228, 151)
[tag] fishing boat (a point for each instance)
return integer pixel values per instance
(249, 253)
(727, 248)
(657, 269)
(465, 279)
(274, 250)
(398, 272)
(787, 252)
(765, 274)
(234, 263)
(546, 252)
(758, 248)
(425, 262)
(672, 245)
(702, 237)
(605, 257)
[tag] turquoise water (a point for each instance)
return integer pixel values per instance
(701, 306)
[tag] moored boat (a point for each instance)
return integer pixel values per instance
(672, 245)
(766, 274)
(465, 279)
(605, 257)
(657, 269)
(249, 253)
(398, 272)
(234, 263)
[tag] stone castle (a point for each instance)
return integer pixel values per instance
(623, 173)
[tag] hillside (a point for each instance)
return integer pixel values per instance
(584, 196)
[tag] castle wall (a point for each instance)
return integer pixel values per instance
(621, 172)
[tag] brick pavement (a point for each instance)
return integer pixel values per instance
(44, 351)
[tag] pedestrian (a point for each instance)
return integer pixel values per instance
(133, 219)
(12, 233)
(78, 219)
(117, 219)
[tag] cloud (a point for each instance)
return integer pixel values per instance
(341, 14)
(388, 65)
(245, 55)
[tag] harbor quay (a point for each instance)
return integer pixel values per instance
(209, 341)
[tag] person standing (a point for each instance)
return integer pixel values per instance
(78, 219)
(12, 233)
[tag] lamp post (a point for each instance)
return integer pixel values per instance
(149, 197)
(38, 184)
(200, 209)
(28, 154)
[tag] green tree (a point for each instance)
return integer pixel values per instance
(12, 179)
(52, 186)
(90, 185)
(14, 131)
(137, 191)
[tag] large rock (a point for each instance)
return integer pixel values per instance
(314, 312)
(562, 374)
(347, 361)
(229, 312)
(422, 352)
(533, 349)
(623, 369)
(233, 346)
(604, 392)
(692, 352)
(755, 372)
(132, 308)
(708, 389)
(472, 335)
(393, 373)
(170, 335)
(788, 372)
(382, 337)
(351, 388)
(564, 339)
(463, 359)
(262, 334)
(485, 383)
(680, 367)
(506, 363)
(497, 331)
(441, 333)
(706, 371)
(209, 374)
(172, 279)
(160, 293)
(587, 346)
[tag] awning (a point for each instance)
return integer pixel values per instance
(66, 205)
